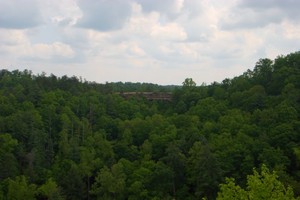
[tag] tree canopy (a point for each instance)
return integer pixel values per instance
(67, 138)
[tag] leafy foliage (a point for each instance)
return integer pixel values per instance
(260, 186)
(66, 138)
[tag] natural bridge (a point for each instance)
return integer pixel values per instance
(164, 96)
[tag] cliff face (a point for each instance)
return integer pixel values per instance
(164, 96)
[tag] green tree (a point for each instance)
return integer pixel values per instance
(263, 72)
(20, 189)
(49, 191)
(176, 160)
(8, 162)
(70, 178)
(260, 186)
(110, 183)
(203, 170)
(188, 82)
(234, 153)
(208, 109)
(88, 164)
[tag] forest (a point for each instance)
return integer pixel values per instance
(68, 138)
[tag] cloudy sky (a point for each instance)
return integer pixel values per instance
(158, 41)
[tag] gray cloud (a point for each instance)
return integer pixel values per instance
(19, 14)
(104, 15)
(286, 5)
(165, 7)
(287, 8)
(172, 9)
(258, 13)
(249, 19)
(193, 7)
(155, 5)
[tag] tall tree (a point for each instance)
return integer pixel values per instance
(110, 183)
(203, 170)
(8, 162)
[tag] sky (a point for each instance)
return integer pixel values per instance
(153, 41)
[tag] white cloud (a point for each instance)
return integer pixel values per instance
(64, 13)
(12, 37)
(171, 31)
(48, 51)
(15, 43)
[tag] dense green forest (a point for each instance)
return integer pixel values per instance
(67, 138)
